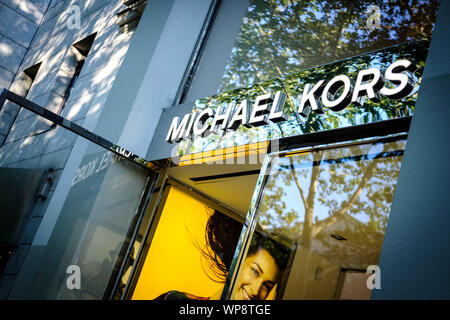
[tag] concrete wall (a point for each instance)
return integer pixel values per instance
(121, 105)
(19, 20)
(31, 142)
(416, 250)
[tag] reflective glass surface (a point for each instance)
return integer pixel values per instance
(321, 223)
(279, 37)
(79, 224)
(190, 251)
(293, 86)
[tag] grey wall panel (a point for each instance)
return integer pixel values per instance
(415, 257)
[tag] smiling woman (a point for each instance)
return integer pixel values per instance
(262, 269)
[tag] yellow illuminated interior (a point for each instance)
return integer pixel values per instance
(174, 261)
(224, 154)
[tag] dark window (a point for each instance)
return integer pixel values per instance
(82, 47)
(21, 86)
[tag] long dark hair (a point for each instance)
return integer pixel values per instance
(222, 235)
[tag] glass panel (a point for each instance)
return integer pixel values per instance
(126, 276)
(18, 191)
(19, 188)
(321, 223)
(294, 85)
(279, 37)
(190, 251)
(83, 217)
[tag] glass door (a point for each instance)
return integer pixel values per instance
(182, 260)
(187, 241)
(317, 222)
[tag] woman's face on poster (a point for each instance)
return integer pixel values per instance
(258, 277)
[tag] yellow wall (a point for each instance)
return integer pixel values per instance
(173, 261)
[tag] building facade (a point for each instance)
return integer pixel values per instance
(206, 149)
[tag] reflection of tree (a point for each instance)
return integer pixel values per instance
(283, 44)
(350, 189)
(293, 86)
(280, 37)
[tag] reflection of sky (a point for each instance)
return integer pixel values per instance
(320, 22)
(293, 201)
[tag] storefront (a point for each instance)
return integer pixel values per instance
(307, 213)
(271, 178)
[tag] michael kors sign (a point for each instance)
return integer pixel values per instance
(336, 94)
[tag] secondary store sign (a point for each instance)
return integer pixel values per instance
(336, 94)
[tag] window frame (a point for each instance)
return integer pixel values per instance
(383, 131)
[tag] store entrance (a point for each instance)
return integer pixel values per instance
(194, 230)
(300, 224)
(319, 220)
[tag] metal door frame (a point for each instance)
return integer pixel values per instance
(360, 134)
